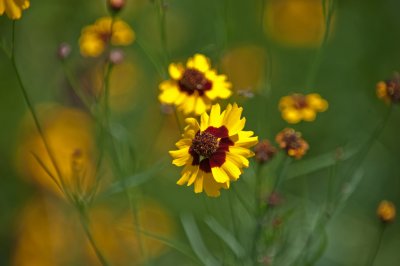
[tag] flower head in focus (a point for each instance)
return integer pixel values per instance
(214, 152)
(292, 142)
(386, 211)
(104, 32)
(194, 87)
(389, 90)
(297, 107)
(13, 8)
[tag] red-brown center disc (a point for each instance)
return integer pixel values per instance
(205, 144)
(193, 80)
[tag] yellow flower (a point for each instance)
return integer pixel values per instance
(95, 38)
(69, 133)
(13, 8)
(298, 23)
(386, 211)
(192, 88)
(292, 142)
(214, 152)
(389, 90)
(297, 107)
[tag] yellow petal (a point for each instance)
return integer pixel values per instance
(238, 159)
(194, 174)
(241, 151)
(176, 71)
(219, 175)
(215, 116)
(204, 121)
(198, 184)
(308, 114)
(232, 169)
(169, 96)
(199, 62)
(291, 115)
(200, 106)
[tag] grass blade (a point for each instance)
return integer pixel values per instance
(196, 241)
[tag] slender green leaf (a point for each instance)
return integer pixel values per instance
(135, 180)
(225, 236)
(307, 166)
(174, 244)
(196, 241)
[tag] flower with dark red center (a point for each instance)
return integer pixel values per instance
(292, 142)
(297, 107)
(214, 152)
(194, 87)
(389, 90)
(104, 32)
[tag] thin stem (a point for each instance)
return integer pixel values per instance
(378, 245)
(34, 115)
(328, 14)
(161, 8)
(85, 224)
(178, 121)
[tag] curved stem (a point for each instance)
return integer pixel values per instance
(328, 14)
(85, 224)
(378, 245)
(31, 109)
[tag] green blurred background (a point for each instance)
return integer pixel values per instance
(362, 50)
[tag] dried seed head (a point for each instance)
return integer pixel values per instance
(264, 151)
(292, 142)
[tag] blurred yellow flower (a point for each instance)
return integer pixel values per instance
(119, 240)
(68, 132)
(49, 233)
(292, 142)
(13, 8)
(97, 37)
(297, 107)
(298, 23)
(389, 90)
(214, 152)
(194, 87)
(245, 66)
(386, 211)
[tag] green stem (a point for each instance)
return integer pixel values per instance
(85, 224)
(163, 31)
(378, 245)
(328, 13)
(34, 115)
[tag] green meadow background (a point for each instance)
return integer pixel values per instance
(363, 49)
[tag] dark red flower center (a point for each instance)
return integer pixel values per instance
(193, 80)
(299, 101)
(393, 90)
(205, 144)
(209, 148)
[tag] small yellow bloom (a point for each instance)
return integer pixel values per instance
(214, 152)
(292, 142)
(13, 8)
(297, 107)
(194, 87)
(389, 90)
(386, 211)
(95, 38)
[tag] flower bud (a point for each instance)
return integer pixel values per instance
(116, 6)
(386, 211)
(264, 151)
(64, 50)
